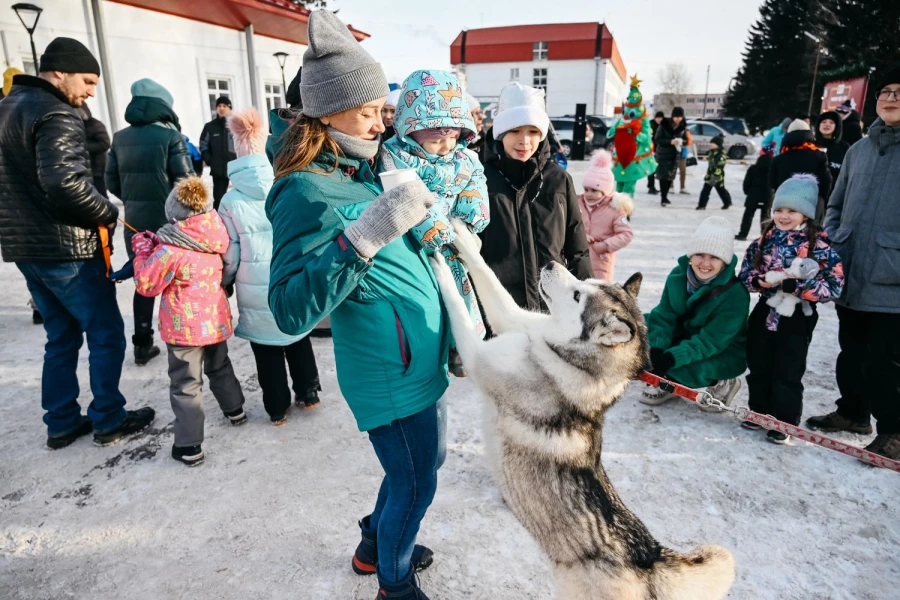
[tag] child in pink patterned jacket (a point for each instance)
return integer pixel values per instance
(182, 262)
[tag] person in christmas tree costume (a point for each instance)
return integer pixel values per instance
(633, 142)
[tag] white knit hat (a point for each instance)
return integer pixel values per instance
(393, 98)
(714, 236)
(473, 102)
(521, 105)
(798, 125)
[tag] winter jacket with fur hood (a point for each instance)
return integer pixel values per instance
(863, 221)
(712, 343)
(194, 310)
(835, 147)
(535, 219)
(799, 154)
(607, 222)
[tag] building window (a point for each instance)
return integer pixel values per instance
(216, 87)
(514, 74)
(274, 96)
(540, 79)
(539, 51)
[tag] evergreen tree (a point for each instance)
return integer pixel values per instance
(775, 78)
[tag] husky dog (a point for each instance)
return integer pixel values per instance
(550, 379)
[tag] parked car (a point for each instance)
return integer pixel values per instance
(600, 126)
(736, 146)
(564, 127)
(732, 125)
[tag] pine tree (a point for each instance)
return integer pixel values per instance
(775, 78)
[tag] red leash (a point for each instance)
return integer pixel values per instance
(771, 423)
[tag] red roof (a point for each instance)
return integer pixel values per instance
(272, 18)
(565, 41)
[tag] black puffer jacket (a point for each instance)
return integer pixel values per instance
(800, 155)
(667, 156)
(145, 162)
(835, 148)
(97, 146)
(539, 223)
(49, 207)
(756, 183)
(217, 147)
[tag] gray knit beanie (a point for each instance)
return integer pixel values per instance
(338, 74)
(800, 193)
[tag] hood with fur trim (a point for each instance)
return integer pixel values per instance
(622, 202)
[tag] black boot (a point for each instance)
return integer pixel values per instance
(55, 443)
(404, 590)
(365, 558)
(144, 350)
(137, 420)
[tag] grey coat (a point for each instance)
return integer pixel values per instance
(863, 221)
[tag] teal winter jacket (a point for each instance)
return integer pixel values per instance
(390, 331)
(249, 254)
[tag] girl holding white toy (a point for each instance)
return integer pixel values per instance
(792, 267)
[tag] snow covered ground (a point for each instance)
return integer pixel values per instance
(272, 513)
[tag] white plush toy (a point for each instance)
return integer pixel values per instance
(784, 303)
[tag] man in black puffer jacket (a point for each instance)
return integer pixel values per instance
(217, 148)
(52, 220)
(146, 160)
(799, 154)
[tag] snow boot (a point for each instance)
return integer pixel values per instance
(751, 426)
(61, 441)
(654, 396)
(836, 422)
(405, 590)
(724, 392)
(137, 420)
(189, 455)
(144, 350)
(653, 191)
(776, 437)
(236, 417)
(887, 445)
(365, 558)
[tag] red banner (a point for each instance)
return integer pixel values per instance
(838, 92)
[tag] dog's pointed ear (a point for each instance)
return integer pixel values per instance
(633, 285)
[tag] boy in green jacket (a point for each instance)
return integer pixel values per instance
(698, 331)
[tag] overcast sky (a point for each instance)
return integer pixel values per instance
(409, 35)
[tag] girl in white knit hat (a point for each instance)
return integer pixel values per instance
(698, 331)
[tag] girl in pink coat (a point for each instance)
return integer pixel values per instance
(182, 262)
(605, 215)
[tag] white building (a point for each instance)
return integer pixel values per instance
(197, 49)
(693, 104)
(576, 63)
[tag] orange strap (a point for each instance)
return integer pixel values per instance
(107, 251)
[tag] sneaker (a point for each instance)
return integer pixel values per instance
(751, 425)
(887, 445)
(189, 455)
(740, 238)
(237, 417)
(726, 206)
(137, 420)
(776, 437)
(310, 400)
(700, 208)
(836, 422)
(684, 191)
(654, 396)
(61, 441)
(278, 420)
(653, 191)
(366, 556)
(724, 392)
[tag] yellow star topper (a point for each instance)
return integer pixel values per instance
(635, 82)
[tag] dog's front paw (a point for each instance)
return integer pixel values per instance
(467, 243)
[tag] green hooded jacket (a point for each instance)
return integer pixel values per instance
(390, 330)
(712, 344)
(144, 163)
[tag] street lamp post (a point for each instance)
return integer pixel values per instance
(819, 50)
(32, 13)
(281, 57)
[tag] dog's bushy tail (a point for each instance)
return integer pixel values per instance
(705, 573)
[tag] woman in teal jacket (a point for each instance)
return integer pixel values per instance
(698, 331)
(341, 249)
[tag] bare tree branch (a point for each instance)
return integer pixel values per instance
(675, 83)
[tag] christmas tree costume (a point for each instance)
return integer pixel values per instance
(632, 142)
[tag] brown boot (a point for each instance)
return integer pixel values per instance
(837, 422)
(887, 445)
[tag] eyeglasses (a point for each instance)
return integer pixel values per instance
(885, 95)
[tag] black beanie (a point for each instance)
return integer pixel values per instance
(68, 56)
(223, 100)
(718, 140)
(891, 75)
(292, 96)
(659, 115)
(678, 112)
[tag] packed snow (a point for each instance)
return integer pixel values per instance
(272, 512)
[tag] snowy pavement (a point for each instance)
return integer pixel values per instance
(272, 512)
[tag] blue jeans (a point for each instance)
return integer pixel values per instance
(411, 450)
(76, 298)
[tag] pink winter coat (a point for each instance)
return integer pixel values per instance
(606, 222)
(193, 310)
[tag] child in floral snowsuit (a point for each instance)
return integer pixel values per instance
(777, 344)
(182, 262)
(434, 127)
